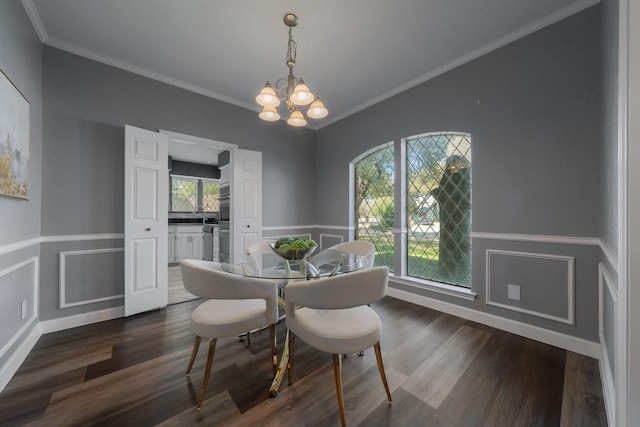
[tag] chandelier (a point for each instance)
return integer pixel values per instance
(291, 90)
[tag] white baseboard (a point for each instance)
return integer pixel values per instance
(567, 342)
(8, 370)
(608, 386)
(68, 322)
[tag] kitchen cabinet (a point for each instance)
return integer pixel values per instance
(171, 247)
(185, 242)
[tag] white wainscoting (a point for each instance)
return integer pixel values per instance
(570, 285)
(27, 342)
(62, 283)
(607, 286)
(334, 239)
(567, 342)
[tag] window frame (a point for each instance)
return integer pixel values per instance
(399, 275)
(199, 192)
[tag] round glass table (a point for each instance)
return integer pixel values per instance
(269, 265)
(328, 262)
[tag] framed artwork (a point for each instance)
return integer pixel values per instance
(14, 141)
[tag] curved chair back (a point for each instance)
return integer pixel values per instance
(360, 247)
(361, 287)
(206, 279)
(258, 248)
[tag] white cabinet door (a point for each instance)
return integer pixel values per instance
(183, 246)
(146, 177)
(189, 245)
(197, 245)
(171, 249)
(246, 201)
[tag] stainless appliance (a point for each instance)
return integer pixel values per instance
(225, 242)
(210, 233)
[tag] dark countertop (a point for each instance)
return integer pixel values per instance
(194, 221)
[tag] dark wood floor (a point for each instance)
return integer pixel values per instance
(442, 371)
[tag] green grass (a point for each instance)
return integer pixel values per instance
(422, 260)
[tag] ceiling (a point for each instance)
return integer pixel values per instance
(352, 53)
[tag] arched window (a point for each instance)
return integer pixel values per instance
(436, 196)
(374, 182)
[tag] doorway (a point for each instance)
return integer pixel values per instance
(195, 150)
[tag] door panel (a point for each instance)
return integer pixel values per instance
(146, 220)
(246, 201)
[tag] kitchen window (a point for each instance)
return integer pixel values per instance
(193, 194)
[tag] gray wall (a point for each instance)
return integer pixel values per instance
(21, 61)
(86, 105)
(533, 111)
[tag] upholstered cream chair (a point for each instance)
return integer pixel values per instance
(235, 304)
(332, 315)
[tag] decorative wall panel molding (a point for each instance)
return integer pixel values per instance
(521, 272)
(33, 264)
(328, 240)
(65, 258)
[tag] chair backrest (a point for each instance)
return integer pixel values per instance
(360, 247)
(258, 248)
(361, 287)
(259, 255)
(206, 279)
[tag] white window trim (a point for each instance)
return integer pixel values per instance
(441, 288)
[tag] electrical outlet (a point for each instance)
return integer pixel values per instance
(513, 292)
(23, 309)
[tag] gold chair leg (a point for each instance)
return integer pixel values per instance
(274, 352)
(207, 371)
(337, 368)
(292, 341)
(194, 352)
(381, 369)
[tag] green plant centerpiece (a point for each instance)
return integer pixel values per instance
(294, 248)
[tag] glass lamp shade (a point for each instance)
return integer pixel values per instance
(267, 96)
(296, 119)
(301, 94)
(269, 114)
(317, 110)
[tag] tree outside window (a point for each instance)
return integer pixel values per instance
(374, 177)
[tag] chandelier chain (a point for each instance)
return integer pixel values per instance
(291, 50)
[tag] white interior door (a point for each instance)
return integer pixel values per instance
(246, 201)
(146, 220)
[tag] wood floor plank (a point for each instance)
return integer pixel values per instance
(422, 340)
(531, 389)
(465, 374)
(406, 410)
(583, 403)
(218, 410)
(433, 380)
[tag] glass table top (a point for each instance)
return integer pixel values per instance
(328, 262)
